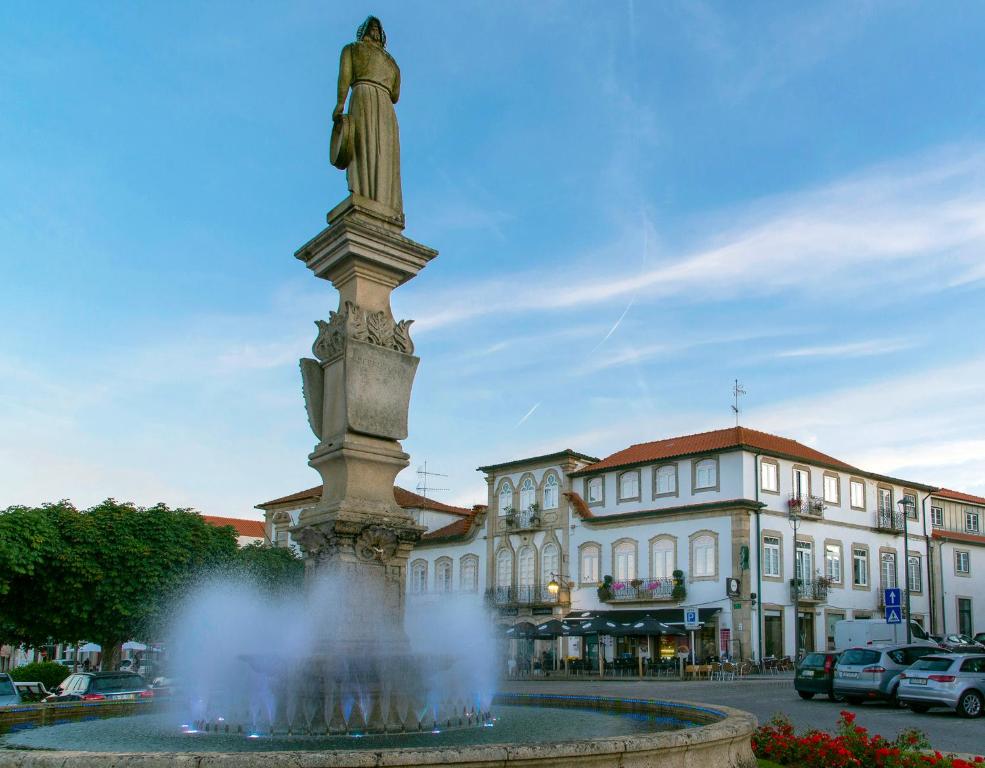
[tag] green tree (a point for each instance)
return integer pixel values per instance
(273, 569)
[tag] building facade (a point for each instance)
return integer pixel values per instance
(957, 547)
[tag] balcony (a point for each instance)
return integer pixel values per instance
(526, 595)
(639, 591)
(808, 506)
(521, 520)
(890, 520)
(814, 591)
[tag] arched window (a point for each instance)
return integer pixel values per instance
(666, 480)
(551, 488)
(469, 579)
(525, 572)
(706, 474)
(703, 553)
(629, 485)
(442, 575)
(596, 493)
(589, 563)
(505, 497)
(528, 494)
(624, 558)
(504, 568)
(663, 558)
(419, 577)
(549, 563)
(887, 569)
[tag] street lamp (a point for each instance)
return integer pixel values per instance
(552, 586)
(906, 506)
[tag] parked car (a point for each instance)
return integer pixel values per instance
(980, 638)
(102, 686)
(954, 680)
(961, 644)
(815, 674)
(31, 691)
(873, 672)
(9, 697)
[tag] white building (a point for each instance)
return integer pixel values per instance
(958, 552)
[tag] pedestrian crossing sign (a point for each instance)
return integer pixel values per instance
(894, 615)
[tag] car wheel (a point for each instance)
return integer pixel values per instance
(806, 694)
(854, 700)
(835, 696)
(894, 699)
(970, 704)
(919, 707)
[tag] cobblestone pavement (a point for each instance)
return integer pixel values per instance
(768, 695)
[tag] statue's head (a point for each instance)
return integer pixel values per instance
(373, 29)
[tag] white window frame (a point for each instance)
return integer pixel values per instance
(709, 468)
(590, 553)
(469, 564)
(884, 582)
(769, 476)
(552, 491)
(526, 566)
(505, 497)
(705, 556)
(628, 483)
(624, 560)
(663, 551)
(771, 556)
(914, 573)
(666, 472)
(884, 499)
(858, 485)
(803, 560)
(801, 483)
(528, 493)
(443, 575)
(504, 567)
(832, 562)
(831, 482)
(419, 577)
(550, 562)
(972, 521)
(860, 555)
(591, 483)
(962, 556)
(936, 517)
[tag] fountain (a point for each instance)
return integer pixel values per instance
(335, 674)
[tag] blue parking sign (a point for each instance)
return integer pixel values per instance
(891, 597)
(894, 614)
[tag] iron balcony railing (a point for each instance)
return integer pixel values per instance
(890, 520)
(523, 520)
(812, 506)
(815, 590)
(648, 589)
(523, 595)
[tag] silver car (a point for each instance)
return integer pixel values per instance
(954, 680)
(873, 672)
(8, 692)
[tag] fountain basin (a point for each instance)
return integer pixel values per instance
(707, 737)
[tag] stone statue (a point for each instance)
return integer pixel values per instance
(366, 142)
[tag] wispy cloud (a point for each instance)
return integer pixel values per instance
(528, 414)
(867, 348)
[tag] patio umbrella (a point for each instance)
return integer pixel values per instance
(647, 625)
(522, 629)
(552, 628)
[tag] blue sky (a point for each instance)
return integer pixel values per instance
(634, 203)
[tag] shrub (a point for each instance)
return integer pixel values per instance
(46, 672)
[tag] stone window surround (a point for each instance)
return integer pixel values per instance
(763, 488)
(867, 587)
(639, 486)
(444, 560)
(588, 496)
(965, 512)
(505, 546)
(519, 485)
(516, 562)
(694, 474)
(892, 496)
(837, 479)
(962, 574)
(851, 503)
(828, 612)
(919, 557)
(461, 571)
(420, 565)
(916, 503)
(793, 479)
(543, 485)
(934, 518)
(504, 483)
(654, 540)
(895, 553)
(550, 539)
(775, 535)
(841, 558)
(690, 546)
(677, 481)
(598, 549)
(636, 557)
(804, 538)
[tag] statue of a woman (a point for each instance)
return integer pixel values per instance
(374, 77)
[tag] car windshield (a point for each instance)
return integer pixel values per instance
(117, 683)
(6, 687)
(813, 660)
(932, 664)
(859, 656)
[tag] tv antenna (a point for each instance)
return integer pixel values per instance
(737, 392)
(423, 480)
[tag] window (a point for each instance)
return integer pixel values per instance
(857, 488)
(804, 561)
(769, 476)
(666, 480)
(937, 517)
(962, 562)
(704, 556)
(442, 576)
(624, 557)
(589, 570)
(551, 488)
(549, 562)
(832, 562)
(526, 572)
(469, 580)
(860, 567)
(595, 495)
(911, 504)
(528, 494)
(801, 483)
(971, 521)
(504, 568)
(914, 577)
(662, 558)
(771, 556)
(706, 474)
(885, 499)
(419, 577)
(887, 570)
(832, 489)
(629, 485)
(505, 498)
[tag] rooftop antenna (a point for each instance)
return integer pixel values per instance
(737, 392)
(423, 475)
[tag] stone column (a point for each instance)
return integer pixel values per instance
(357, 395)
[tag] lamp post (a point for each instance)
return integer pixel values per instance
(554, 588)
(906, 506)
(794, 514)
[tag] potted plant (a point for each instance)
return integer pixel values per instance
(535, 513)
(678, 593)
(510, 517)
(605, 589)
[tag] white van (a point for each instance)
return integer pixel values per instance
(856, 633)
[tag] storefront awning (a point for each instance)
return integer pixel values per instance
(671, 616)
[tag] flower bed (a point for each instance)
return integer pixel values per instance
(851, 747)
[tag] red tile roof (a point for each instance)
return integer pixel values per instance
(947, 493)
(971, 538)
(579, 504)
(451, 531)
(403, 497)
(718, 440)
(243, 527)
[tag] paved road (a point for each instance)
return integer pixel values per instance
(766, 696)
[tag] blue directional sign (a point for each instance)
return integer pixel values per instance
(892, 597)
(894, 614)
